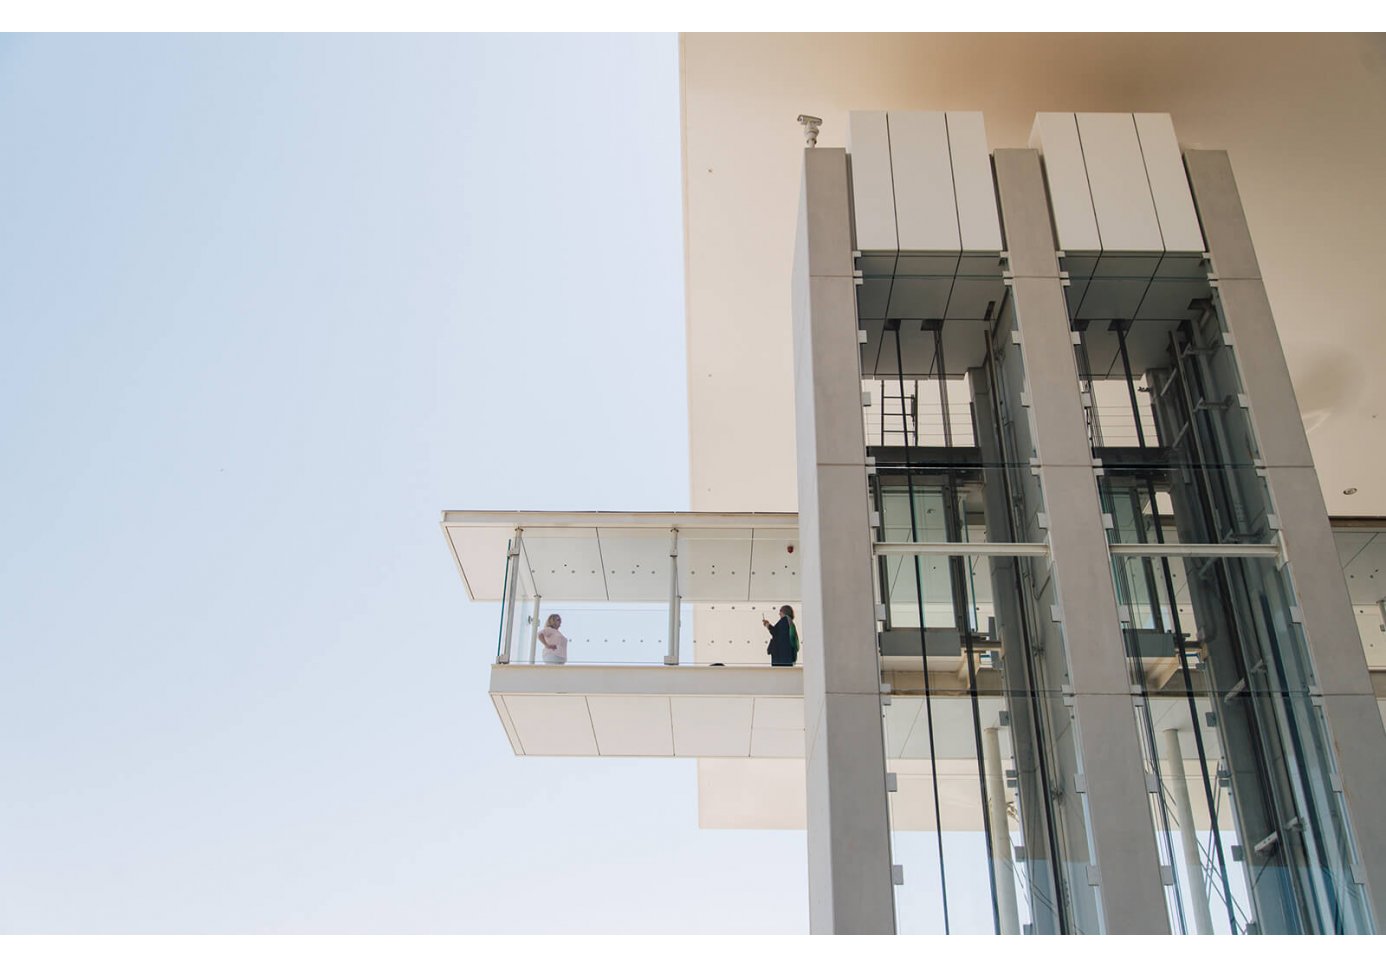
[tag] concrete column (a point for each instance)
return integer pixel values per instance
(1123, 865)
(1188, 834)
(850, 887)
(1343, 684)
(1001, 860)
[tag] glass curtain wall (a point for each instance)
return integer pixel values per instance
(978, 730)
(1244, 799)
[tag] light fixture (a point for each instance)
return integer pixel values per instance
(1349, 491)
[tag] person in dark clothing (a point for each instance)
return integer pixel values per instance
(784, 638)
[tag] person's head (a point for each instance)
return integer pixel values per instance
(787, 612)
(554, 621)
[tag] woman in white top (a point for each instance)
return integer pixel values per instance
(555, 642)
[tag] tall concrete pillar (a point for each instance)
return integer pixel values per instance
(1113, 814)
(1188, 833)
(1001, 861)
(1342, 687)
(850, 885)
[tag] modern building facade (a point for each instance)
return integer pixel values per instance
(1073, 613)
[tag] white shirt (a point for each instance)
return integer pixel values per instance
(554, 641)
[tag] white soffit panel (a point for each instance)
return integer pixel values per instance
(504, 714)
(747, 794)
(775, 712)
(777, 743)
(632, 725)
(1126, 220)
(926, 212)
(552, 725)
(978, 222)
(1056, 136)
(1366, 574)
(711, 725)
(1350, 543)
(873, 198)
(566, 563)
(480, 553)
(1169, 186)
(636, 562)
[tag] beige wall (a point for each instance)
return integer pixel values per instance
(1302, 116)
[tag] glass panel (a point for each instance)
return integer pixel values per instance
(964, 735)
(1229, 717)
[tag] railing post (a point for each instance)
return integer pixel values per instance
(534, 628)
(512, 580)
(675, 599)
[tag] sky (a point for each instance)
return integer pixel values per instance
(268, 306)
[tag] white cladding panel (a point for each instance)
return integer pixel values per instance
(552, 725)
(926, 213)
(480, 554)
(777, 743)
(1169, 185)
(973, 187)
(632, 725)
(780, 712)
(873, 198)
(636, 570)
(565, 563)
(1056, 137)
(712, 725)
(1126, 220)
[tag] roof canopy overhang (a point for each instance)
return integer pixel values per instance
(626, 556)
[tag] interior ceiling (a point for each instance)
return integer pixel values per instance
(1303, 118)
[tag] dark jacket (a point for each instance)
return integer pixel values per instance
(784, 647)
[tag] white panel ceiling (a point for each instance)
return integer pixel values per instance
(637, 563)
(712, 725)
(632, 725)
(566, 563)
(715, 565)
(552, 725)
(1349, 543)
(774, 568)
(1366, 572)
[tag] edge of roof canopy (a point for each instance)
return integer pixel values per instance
(622, 519)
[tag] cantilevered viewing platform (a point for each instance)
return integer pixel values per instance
(639, 680)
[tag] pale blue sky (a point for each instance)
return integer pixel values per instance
(268, 305)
